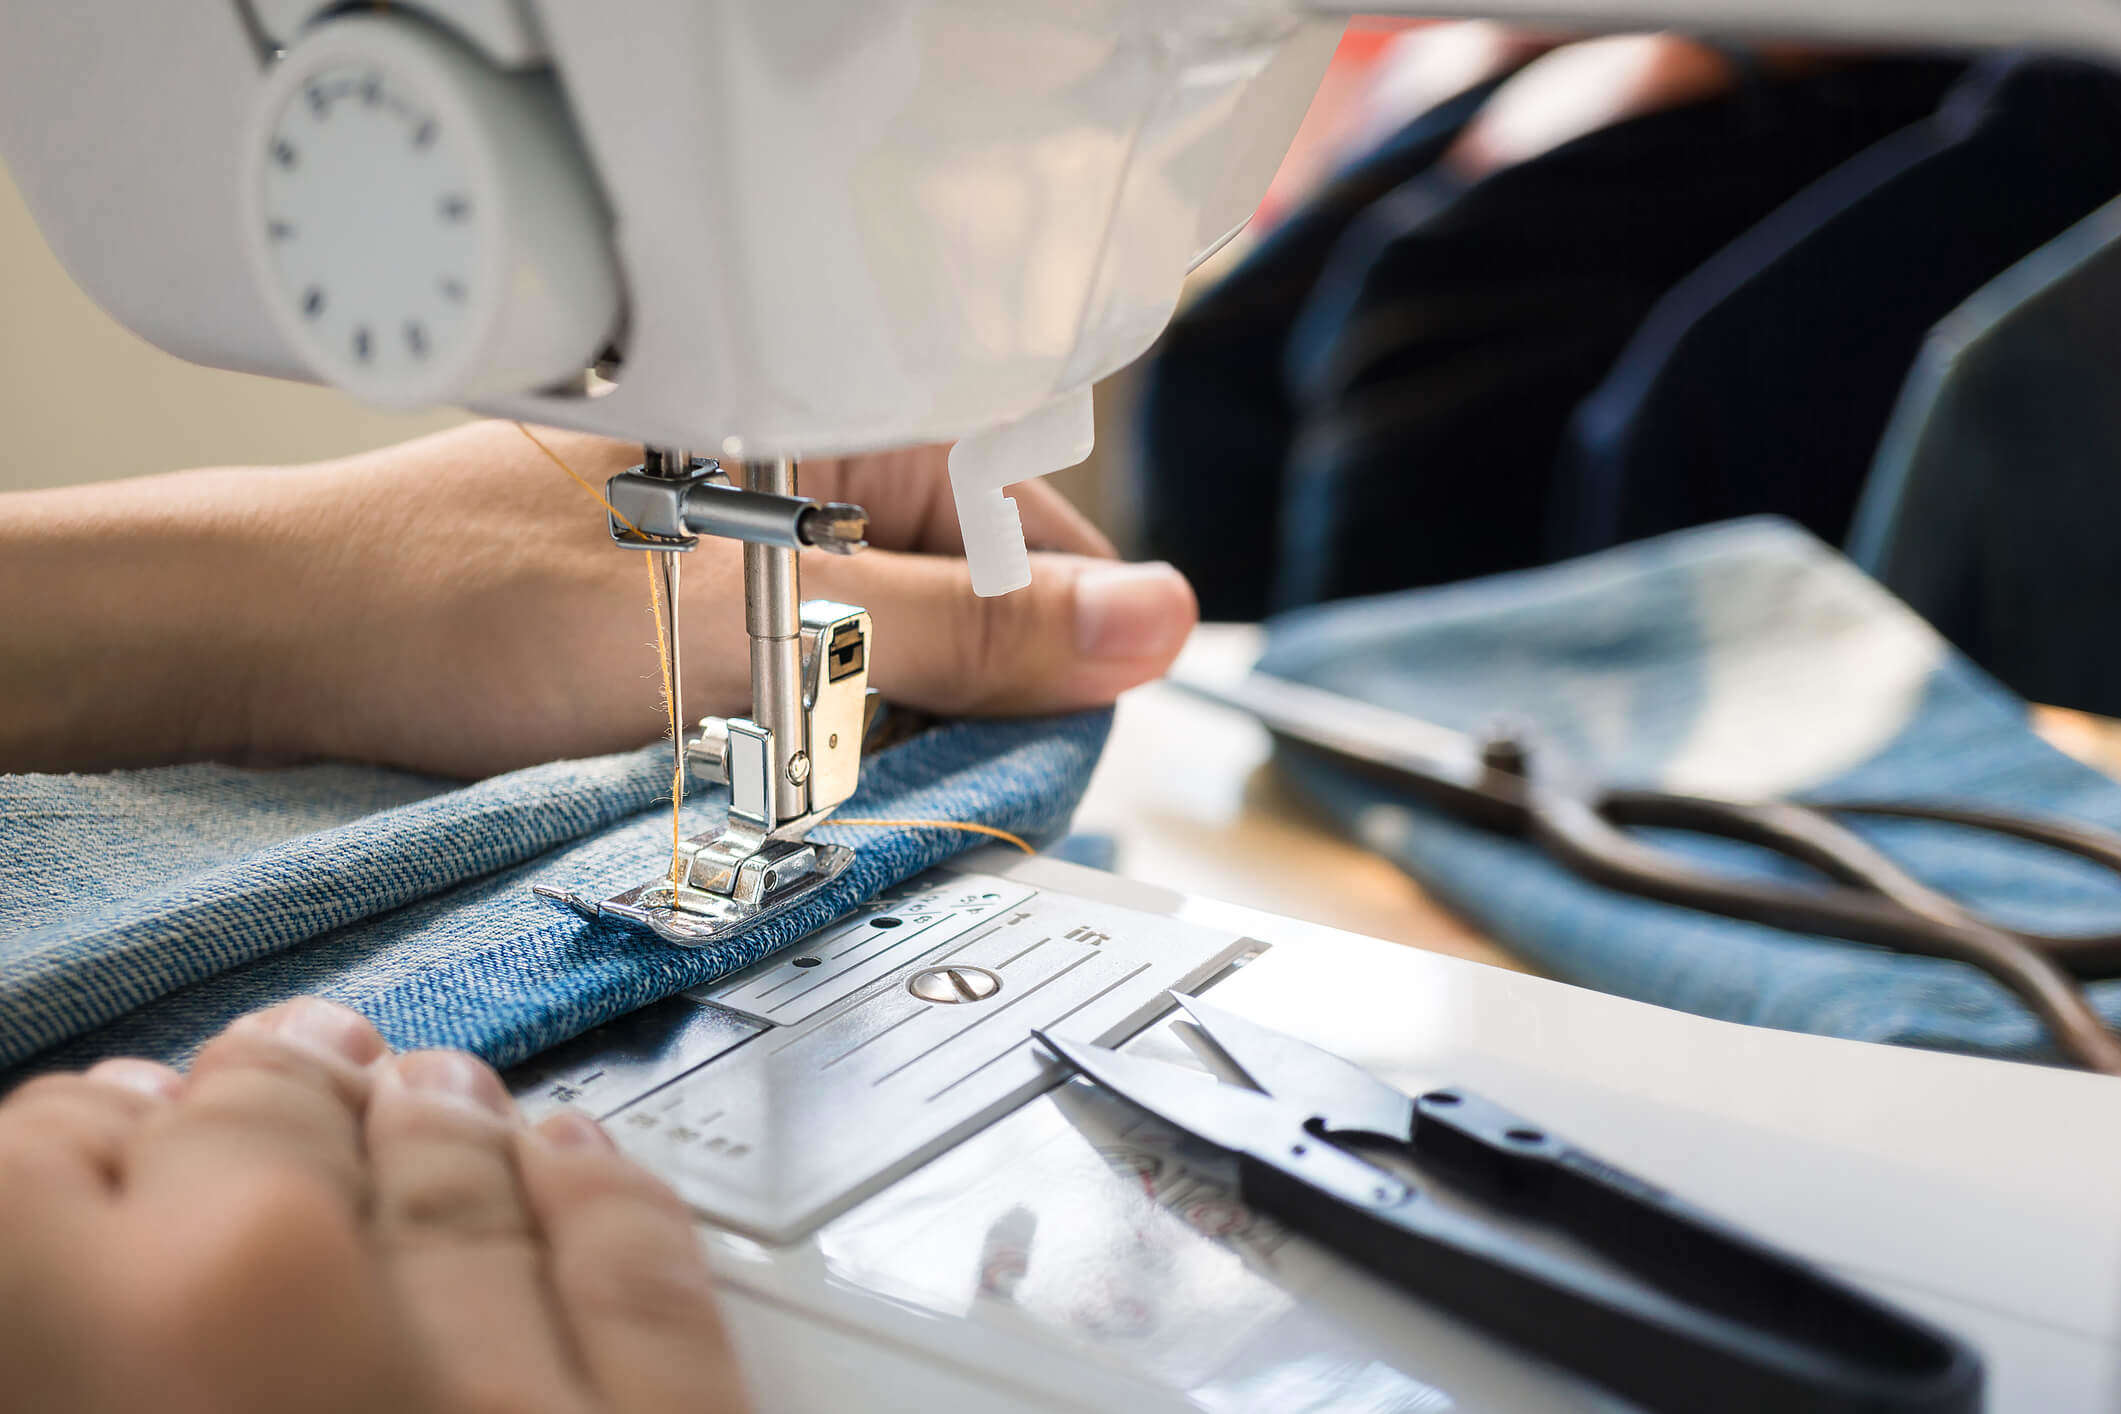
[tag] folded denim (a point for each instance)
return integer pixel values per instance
(402, 914)
(1748, 660)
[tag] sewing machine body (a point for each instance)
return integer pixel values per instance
(802, 229)
(833, 227)
(1039, 1246)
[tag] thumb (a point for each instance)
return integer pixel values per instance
(1083, 632)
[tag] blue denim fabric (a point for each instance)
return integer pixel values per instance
(1992, 504)
(401, 915)
(1742, 659)
(139, 882)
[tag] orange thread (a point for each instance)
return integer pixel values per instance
(670, 709)
(662, 646)
(677, 779)
(966, 825)
(572, 475)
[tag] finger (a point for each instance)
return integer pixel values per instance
(907, 494)
(1081, 634)
(334, 1031)
(464, 1251)
(82, 1124)
(1050, 521)
(246, 1199)
(62, 1145)
(632, 1283)
(54, 1258)
(277, 1096)
(151, 1078)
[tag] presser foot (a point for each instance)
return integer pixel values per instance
(798, 756)
(772, 879)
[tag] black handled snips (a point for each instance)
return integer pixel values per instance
(1678, 1310)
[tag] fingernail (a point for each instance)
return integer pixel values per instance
(330, 1028)
(1131, 611)
(144, 1076)
(571, 1129)
(454, 1075)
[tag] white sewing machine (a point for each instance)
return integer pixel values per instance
(755, 231)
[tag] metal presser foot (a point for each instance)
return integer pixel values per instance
(799, 754)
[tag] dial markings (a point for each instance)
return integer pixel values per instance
(372, 215)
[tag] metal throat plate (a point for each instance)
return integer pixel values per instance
(705, 916)
(782, 1095)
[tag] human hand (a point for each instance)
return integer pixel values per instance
(306, 1222)
(455, 605)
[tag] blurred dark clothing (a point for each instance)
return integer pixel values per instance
(1217, 418)
(1379, 402)
(1763, 381)
(1995, 503)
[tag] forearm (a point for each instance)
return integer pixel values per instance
(140, 618)
(455, 606)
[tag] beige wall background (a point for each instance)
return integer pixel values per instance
(82, 398)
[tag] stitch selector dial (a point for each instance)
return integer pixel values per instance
(423, 225)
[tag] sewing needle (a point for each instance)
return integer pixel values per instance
(666, 563)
